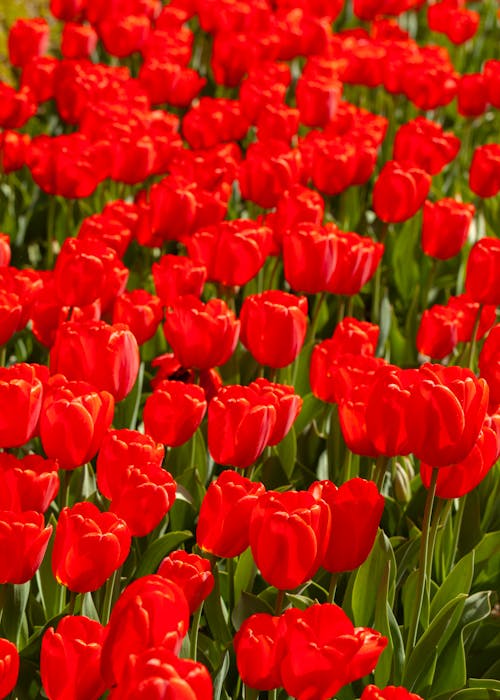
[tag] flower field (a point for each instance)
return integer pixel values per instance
(250, 350)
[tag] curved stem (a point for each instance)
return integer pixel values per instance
(333, 587)
(456, 531)
(473, 342)
(193, 647)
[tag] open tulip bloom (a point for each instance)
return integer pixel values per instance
(249, 350)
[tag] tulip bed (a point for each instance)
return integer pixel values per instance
(250, 351)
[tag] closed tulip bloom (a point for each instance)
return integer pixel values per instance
(269, 169)
(258, 654)
(175, 276)
(240, 423)
(224, 520)
(472, 95)
(10, 315)
(174, 412)
(89, 546)
(28, 483)
(491, 71)
(157, 673)
(23, 543)
(150, 612)
(9, 667)
(93, 351)
(467, 312)
(141, 311)
(143, 497)
(399, 191)
(202, 336)
(20, 404)
(288, 405)
(273, 326)
(483, 270)
(356, 509)
(445, 227)
(446, 411)
(78, 40)
(192, 573)
(484, 174)
(27, 38)
(5, 252)
(289, 533)
(437, 334)
(357, 259)
(489, 364)
(391, 692)
(325, 652)
(121, 449)
(73, 421)
(426, 145)
(318, 98)
(298, 205)
(310, 254)
(70, 659)
(456, 480)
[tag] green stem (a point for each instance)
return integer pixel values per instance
(51, 220)
(422, 567)
(279, 602)
(333, 587)
(251, 693)
(195, 626)
(72, 602)
(107, 604)
(318, 303)
(429, 282)
(380, 469)
(230, 574)
(3, 356)
(473, 342)
(456, 532)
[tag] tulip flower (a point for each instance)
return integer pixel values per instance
(391, 692)
(411, 185)
(20, 404)
(224, 520)
(174, 411)
(70, 659)
(445, 227)
(28, 483)
(139, 310)
(9, 667)
(483, 268)
(258, 651)
(89, 546)
(191, 573)
(23, 543)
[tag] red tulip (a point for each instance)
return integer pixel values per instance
(484, 175)
(28, 483)
(20, 404)
(23, 543)
(399, 192)
(489, 364)
(288, 405)
(371, 692)
(174, 411)
(70, 659)
(445, 227)
(89, 545)
(27, 38)
(258, 651)
(141, 311)
(224, 520)
(273, 326)
(150, 612)
(191, 573)
(9, 667)
(175, 276)
(426, 145)
(483, 269)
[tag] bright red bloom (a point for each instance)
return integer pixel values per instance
(289, 533)
(233, 252)
(458, 23)
(325, 652)
(269, 169)
(288, 405)
(89, 545)
(10, 314)
(456, 480)
(192, 573)
(143, 497)
(426, 145)
(9, 667)
(356, 508)
(318, 98)
(399, 191)
(489, 364)
(445, 227)
(298, 205)
(273, 326)
(224, 520)
(15, 107)
(202, 336)
(169, 368)
(70, 659)
(437, 334)
(151, 611)
(78, 40)
(23, 543)
(483, 270)
(467, 311)
(258, 653)
(491, 72)
(38, 76)
(158, 673)
(92, 351)
(175, 276)
(123, 34)
(174, 412)
(141, 311)
(20, 404)
(29, 483)
(73, 420)
(357, 259)
(121, 449)
(13, 149)
(484, 175)
(170, 83)
(27, 38)
(446, 410)
(371, 692)
(309, 256)
(240, 422)
(472, 95)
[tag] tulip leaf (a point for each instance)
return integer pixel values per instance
(398, 646)
(477, 694)
(158, 550)
(248, 604)
(287, 452)
(458, 581)
(368, 578)
(221, 676)
(301, 366)
(311, 408)
(51, 592)
(384, 664)
(244, 573)
(15, 600)
(432, 643)
(487, 560)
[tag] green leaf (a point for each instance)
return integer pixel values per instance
(221, 676)
(311, 408)
(244, 573)
(398, 646)
(369, 577)
(487, 561)
(432, 643)
(247, 605)
(287, 452)
(458, 581)
(476, 694)
(159, 549)
(51, 592)
(15, 600)
(384, 664)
